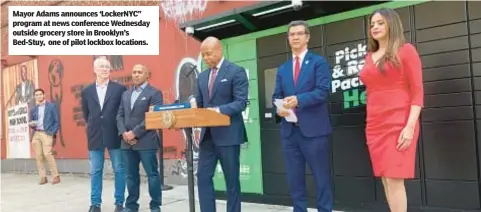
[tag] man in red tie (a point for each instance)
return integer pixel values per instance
(303, 83)
(223, 87)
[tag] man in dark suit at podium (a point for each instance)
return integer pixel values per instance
(223, 87)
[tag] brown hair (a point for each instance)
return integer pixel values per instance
(39, 90)
(395, 37)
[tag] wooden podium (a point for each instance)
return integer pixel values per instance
(185, 119)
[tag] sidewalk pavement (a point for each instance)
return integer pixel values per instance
(20, 192)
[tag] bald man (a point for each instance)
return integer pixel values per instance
(223, 87)
(140, 145)
(100, 104)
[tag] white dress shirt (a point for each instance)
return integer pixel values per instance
(217, 74)
(301, 59)
(101, 92)
(218, 69)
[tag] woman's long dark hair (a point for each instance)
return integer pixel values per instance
(395, 37)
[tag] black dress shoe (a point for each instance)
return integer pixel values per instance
(94, 208)
(119, 208)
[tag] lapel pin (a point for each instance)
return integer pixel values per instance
(307, 62)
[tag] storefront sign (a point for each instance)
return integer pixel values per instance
(345, 75)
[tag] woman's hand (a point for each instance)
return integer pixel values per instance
(405, 138)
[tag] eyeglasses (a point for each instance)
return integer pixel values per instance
(104, 66)
(292, 34)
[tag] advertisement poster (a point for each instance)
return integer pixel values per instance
(18, 132)
(1, 114)
(19, 83)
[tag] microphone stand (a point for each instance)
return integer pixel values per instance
(163, 187)
(189, 153)
(190, 159)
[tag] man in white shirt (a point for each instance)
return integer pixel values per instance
(100, 104)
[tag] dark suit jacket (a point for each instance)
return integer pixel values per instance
(230, 93)
(312, 91)
(102, 124)
(51, 121)
(134, 119)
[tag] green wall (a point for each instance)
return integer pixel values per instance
(242, 51)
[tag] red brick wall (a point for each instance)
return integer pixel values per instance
(78, 70)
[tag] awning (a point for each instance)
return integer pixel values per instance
(266, 15)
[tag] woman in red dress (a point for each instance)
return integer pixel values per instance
(392, 75)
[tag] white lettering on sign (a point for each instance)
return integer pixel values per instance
(349, 63)
(18, 131)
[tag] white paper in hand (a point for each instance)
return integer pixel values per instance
(279, 103)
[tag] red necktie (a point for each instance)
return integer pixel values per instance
(212, 80)
(297, 68)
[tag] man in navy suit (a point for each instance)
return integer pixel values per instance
(303, 82)
(140, 145)
(100, 103)
(223, 87)
(45, 124)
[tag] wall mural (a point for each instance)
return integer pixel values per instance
(55, 76)
(66, 76)
(18, 84)
(181, 11)
(66, 94)
(185, 83)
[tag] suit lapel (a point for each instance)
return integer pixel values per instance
(141, 95)
(46, 112)
(108, 92)
(304, 64)
(204, 78)
(220, 75)
(129, 99)
(290, 74)
(35, 113)
(94, 94)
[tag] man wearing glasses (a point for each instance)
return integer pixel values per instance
(303, 84)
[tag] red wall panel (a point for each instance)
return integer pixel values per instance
(78, 71)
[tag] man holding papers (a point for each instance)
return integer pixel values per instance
(302, 89)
